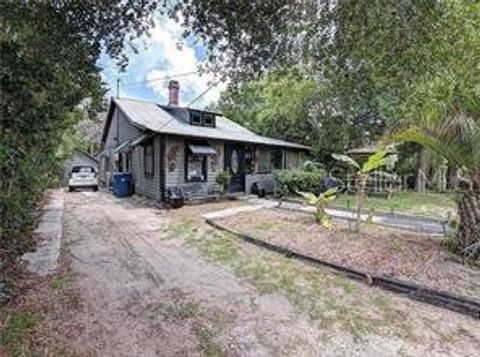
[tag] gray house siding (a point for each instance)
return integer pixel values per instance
(175, 167)
(145, 185)
(121, 127)
(121, 130)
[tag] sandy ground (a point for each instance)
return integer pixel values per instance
(134, 286)
(142, 293)
(414, 257)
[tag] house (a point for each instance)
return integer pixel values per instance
(169, 146)
(79, 158)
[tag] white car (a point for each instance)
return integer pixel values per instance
(82, 177)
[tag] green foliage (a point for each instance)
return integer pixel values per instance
(222, 179)
(291, 181)
(373, 163)
(49, 79)
(450, 238)
(18, 326)
(320, 202)
(346, 159)
(291, 105)
(457, 139)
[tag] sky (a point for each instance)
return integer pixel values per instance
(163, 54)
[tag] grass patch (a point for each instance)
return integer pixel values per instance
(60, 283)
(18, 326)
(328, 299)
(434, 205)
(183, 227)
(209, 347)
(188, 310)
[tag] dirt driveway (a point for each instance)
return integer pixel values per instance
(146, 284)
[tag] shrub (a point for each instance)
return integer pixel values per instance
(450, 239)
(320, 202)
(292, 181)
(222, 179)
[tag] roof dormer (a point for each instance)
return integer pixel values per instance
(202, 118)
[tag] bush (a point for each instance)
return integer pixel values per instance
(450, 239)
(292, 181)
(222, 179)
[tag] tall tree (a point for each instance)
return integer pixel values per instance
(297, 106)
(48, 70)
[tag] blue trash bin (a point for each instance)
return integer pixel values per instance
(121, 184)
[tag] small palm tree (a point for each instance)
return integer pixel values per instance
(457, 139)
(320, 202)
(374, 162)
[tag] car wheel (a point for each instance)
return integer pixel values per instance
(95, 188)
(70, 189)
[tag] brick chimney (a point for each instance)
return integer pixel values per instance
(173, 92)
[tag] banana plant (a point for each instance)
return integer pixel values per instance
(373, 163)
(320, 202)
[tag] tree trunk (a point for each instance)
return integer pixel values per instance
(421, 171)
(361, 183)
(453, 178)
(469, 229)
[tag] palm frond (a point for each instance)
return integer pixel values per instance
(449, 149)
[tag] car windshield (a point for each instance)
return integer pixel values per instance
(83, 169)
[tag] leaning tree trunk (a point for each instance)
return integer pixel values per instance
(469, 229)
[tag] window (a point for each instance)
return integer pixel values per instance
(277, 160)
(195, 118)
(269, 160)
(249, 159)
(127, 161)
(195, 167)
(208, 119)
(120, 163)
(88, 169)
(264, 161)
(149, 159)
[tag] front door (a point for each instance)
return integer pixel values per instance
(235, 165)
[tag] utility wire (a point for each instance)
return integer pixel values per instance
(161, 78)
(203, 93)
(188, 105)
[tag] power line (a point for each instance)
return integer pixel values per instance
(161, 78)
(203, 93)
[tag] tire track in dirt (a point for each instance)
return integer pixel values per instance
(135, 274)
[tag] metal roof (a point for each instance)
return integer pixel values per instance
(151, 116)
(371, 149)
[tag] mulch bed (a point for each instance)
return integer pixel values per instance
(417, 258)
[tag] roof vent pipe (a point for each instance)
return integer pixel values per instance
(173, 93)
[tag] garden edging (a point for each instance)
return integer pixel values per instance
(443, 299)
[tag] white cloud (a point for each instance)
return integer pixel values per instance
(178, 57)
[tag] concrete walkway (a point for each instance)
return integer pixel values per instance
(411, 223)
(253, 205)
(44, 260)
